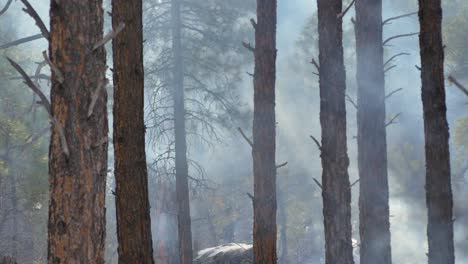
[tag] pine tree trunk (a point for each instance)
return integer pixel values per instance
(166, 244)
(336, 191)
(264, 135)
(131, 176)
(438, 178)
(374, 223)
(76, 226)
(181, 164)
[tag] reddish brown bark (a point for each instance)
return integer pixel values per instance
(336, 191)
(131, 177)
(374, 223)
(438, 179)
(264, 134)
(77, 182)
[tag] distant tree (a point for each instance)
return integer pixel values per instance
(78, 147)
(336, 190)
(438, 178)
(374, 213)
(131, 176)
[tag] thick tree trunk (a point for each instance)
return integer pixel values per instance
(76, 226)
(374, 223)
(264, 134)
(131, 177)
(336, 191)
(181, 164)
(438, 178)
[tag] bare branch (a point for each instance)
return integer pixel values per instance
(245, 137)
(314, 62)
(21, 41)
(6, 7)
(388, 20)
(392, 121)
(399, 36)
(254, 24)
(342, 14)
(462, 88)
(393, 92)
(316, 142)
(58, 73)
(354, 183)
(389, 68)
(417, 67)
(32, 12)
(112, 34)
(281, 165)
(250, 196)
(95, 96)
(351, 101)
(248, 46)
(394, 57)
(318, 183)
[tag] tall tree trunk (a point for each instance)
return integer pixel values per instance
(336, 190)
(374, 223)
(264, 134)
(76, 226)
(283, 222)
(131, 176)
(438, 178)
(181, 164)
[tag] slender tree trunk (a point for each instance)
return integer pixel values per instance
(76, 226)
(336, 191)
(264, 134)
(436, 130)
(181, 164)
(131, 176)
(374, 223)
(283, 221)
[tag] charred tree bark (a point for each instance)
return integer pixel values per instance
(131, 176)
(374, 223)
(264, 134)
(76, 229)
(336, 190)
(438, 179)
(181, 164)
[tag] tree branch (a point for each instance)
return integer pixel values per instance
(394, 57)
(58, 73)
(389, 68)
(351, 101)
(95, 96)
(112, 34)
(281, 165)
(6, 7)
(386, 21)
(32, 12)
(248, 46)
(342, 14)
(245, 137)
(21, 41)
(318, 183)
(399, 36)
(393, 92)
(314, 62)
(316, 142)
(354, 183)
(462, 88)
(392, 121)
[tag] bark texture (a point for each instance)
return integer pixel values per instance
(264, 134)
(438, 179)
(374, 223)
(131, 176)
(181, 164)
(76, 227)
(336, 191)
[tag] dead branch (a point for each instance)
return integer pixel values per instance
(250, 74)
(342, 14)
(58, 73)
(318, 183)
(36, 77)
(250, 196)
(314, 62)
(417, 67)
(462, 88)
(388, 20)
(392, 121)
(395, 56)
(245, 137)
(248, 46)
(393, 92)
(6, 7)
(32, 12)
(389, 68)
(354, 183)
(112, 34)
(45, 103)
(399, 36)
(21, 41)
(254, 24)
(351, 101)
(316, 142)
(281, 165)
(95, 96)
